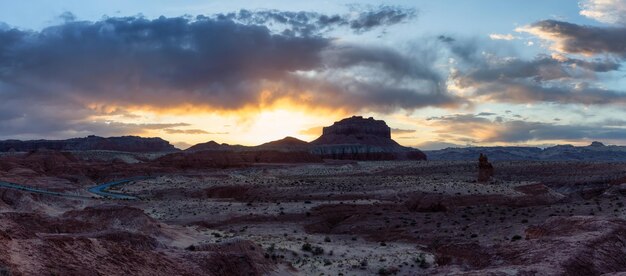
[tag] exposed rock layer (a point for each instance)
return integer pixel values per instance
(357, 138)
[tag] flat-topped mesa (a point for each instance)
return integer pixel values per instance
(358, 138)
(597, 144)
(357, 130)
(358, 126)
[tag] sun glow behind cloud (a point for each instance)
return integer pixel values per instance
(248, 126)
(262, 80)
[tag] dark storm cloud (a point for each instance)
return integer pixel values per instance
(205, 62)
(580, 39)
(312, 22)
(140, 61)
(515, 131)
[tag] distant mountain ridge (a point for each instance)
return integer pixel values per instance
(596, 151)
(354, 138)
(214, 146)
(123, 143)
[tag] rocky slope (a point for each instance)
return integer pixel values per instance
(112, 239)
(123, 143)
(357, 138)
(594, 152)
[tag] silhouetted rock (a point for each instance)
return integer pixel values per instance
(354, 138)
(485, 169)
(286, 144)
(214, 146)
(357, 138)
(124, 143)
(357, 130)
(597, 144)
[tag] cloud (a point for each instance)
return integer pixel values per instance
(190, 131)
(212, 63)
(399, 131)
(607, 11)
(185, 131)
(314, 131)
(182, 145)
(527, 92)
(310, 23)
(553, 79)
(384, 15)
(502, 37)
(579, 39)
(482, 130)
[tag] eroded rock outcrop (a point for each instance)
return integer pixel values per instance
(358, 138)
(485, 169)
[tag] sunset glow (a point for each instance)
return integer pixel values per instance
(242, 73)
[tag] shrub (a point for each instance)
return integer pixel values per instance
(307, 247)
(317, 250)
(421, 261)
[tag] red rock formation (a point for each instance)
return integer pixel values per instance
(485, 169)
(357, 138)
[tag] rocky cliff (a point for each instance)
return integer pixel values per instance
(124, 143)
(358, 138)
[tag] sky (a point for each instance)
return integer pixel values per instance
(440, 73)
